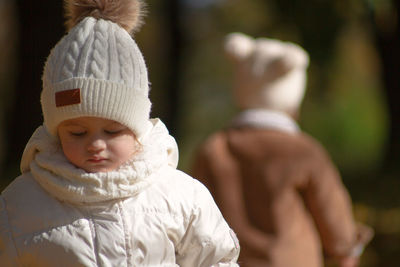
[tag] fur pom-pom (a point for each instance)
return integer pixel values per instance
(128, 14)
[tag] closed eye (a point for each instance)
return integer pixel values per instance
(77, 133)
(113, 131)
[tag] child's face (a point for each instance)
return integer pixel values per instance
(96, 144)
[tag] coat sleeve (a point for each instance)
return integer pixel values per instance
(8, 252)
(331, 207)
(208, 240)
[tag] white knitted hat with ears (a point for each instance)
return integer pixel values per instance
(269, 74)
(97, 69)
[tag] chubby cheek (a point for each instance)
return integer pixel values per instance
(124, 149)
(73, 152)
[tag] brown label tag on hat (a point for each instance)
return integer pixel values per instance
(68, 97)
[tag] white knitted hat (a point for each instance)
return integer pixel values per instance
(269, 74)
(97, 69)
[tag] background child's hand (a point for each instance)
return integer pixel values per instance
(349, 262)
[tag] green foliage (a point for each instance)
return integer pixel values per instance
(350, 118)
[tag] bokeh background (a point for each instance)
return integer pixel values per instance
(352, 103)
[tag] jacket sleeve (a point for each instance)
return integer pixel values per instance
(8, 253)
(331, 207)
(208, 240)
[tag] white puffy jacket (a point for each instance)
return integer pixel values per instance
(146, 213)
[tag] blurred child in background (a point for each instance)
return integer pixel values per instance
(275, 185)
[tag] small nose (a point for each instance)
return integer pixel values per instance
(96, 144)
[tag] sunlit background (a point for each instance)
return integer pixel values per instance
(351, 104)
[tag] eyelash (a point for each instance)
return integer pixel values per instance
(112, 132)
(78, 134)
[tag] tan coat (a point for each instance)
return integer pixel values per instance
(281, 194)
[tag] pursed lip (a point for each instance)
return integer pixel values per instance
(96, 159)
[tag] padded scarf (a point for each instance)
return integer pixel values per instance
(43, 157)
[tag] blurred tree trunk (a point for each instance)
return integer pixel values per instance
(40, 27)
(8, 41)
(387, 36)
(173, 10)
